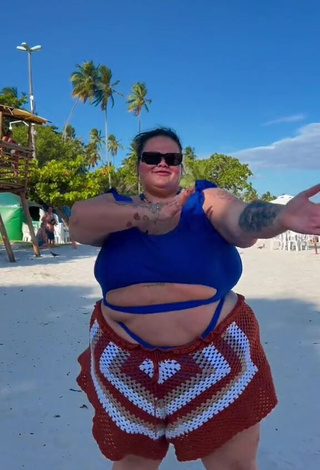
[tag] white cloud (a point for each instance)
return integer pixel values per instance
(291, 118)
(301, 152)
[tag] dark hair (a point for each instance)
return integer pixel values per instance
(141, 139)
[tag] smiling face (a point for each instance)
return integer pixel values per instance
(161, 179)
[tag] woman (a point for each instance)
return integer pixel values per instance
(49, 222)
(175, 355)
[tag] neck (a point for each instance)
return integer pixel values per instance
(158, 194)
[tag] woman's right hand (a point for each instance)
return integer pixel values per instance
(161, 218)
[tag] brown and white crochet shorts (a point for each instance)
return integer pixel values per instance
(195, 397)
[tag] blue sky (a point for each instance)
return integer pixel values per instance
(236, 77)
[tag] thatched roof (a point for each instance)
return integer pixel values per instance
(13, 114)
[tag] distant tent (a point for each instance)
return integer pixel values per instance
(283, 199)
(13, 215)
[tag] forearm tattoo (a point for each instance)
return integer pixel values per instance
(258, 216)
(154, 207)
(154, 210)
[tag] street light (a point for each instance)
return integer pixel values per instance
(25, 48)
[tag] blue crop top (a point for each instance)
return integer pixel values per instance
(193, 253)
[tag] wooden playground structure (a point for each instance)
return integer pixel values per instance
(15, 166)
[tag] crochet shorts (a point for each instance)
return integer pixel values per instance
(195, 397)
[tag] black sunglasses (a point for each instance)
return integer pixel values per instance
(154, 158)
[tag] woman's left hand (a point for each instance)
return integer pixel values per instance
(301, 215)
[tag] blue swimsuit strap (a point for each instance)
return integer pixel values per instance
(160, 308)
(208, 330)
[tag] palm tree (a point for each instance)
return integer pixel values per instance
(137, 101)
(84, 82)
(9, 96)
(127, 173)
(70, 132)
(198, 170)
(10, 91)
(189, 154)
(94, 147)
(104, 92)
(113, 146)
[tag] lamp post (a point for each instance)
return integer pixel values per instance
(25, 48)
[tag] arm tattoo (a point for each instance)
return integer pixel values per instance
(258, 216)
(154, 208)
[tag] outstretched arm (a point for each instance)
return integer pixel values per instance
(241, 224)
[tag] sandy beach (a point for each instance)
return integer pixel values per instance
(45, 305)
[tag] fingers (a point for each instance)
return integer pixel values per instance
(311, 191)
(185, 194)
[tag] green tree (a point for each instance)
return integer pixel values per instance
(93, 149)
(267, 197)
(189, 155)
(113, 146)
(250, 194)
(126, 177)
(9, 96)
(138, 101)
(226, 172)
(63, 182)
(70, 132)
(84, 82)
(50, 144)
(105, 91)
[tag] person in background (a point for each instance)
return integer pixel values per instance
(49, 222)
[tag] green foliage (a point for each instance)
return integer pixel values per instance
(62, 182)
(267, 197)
(138, 100)
(226, 172)
(70, 132)
(104, 88)
(50, 144)
(189, 156)
(250, 194)
(9, 97)
(113, 145)
(126, 177)
(93, 148)
(84, 81)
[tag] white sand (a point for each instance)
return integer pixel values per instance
(45, 305)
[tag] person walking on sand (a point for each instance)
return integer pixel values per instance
(175, 355)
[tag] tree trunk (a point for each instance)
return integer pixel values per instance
(64, 133)
(107, 152)
(6, 241)
(139, 127)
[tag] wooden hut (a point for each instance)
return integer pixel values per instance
(15, 166)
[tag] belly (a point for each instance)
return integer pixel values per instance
(158, 293)
(174, 328)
